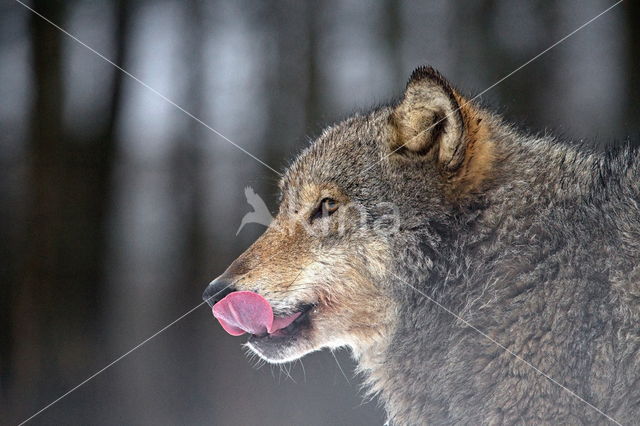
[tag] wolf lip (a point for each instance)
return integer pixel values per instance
(267, 343)
(300, 318)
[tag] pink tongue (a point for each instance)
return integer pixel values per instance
(247, 312)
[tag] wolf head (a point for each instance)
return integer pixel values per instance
(367, 188)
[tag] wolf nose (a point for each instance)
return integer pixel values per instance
(217, 290)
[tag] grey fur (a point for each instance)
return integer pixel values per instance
(541, 254)
(544, 258)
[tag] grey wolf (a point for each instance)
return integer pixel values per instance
(533, 241)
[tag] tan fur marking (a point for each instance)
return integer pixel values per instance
(480, 153)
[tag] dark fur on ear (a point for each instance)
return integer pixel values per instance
(428, 72)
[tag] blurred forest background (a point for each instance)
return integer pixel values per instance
(117, 208)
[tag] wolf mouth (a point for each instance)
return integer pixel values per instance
(273, 337)
(290, 332)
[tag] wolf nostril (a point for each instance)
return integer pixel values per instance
(217, 290)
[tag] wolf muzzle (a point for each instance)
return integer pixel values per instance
(217, 290)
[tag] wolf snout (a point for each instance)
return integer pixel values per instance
(217, 290)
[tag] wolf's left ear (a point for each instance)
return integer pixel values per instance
(433, 119)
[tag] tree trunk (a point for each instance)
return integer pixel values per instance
(40, 276)
(57, 302)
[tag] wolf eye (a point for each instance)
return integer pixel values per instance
(326, 208)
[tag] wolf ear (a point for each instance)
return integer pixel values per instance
(433, 119)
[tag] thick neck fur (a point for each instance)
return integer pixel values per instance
(436, 369)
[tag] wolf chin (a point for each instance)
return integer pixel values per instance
(508, 293)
